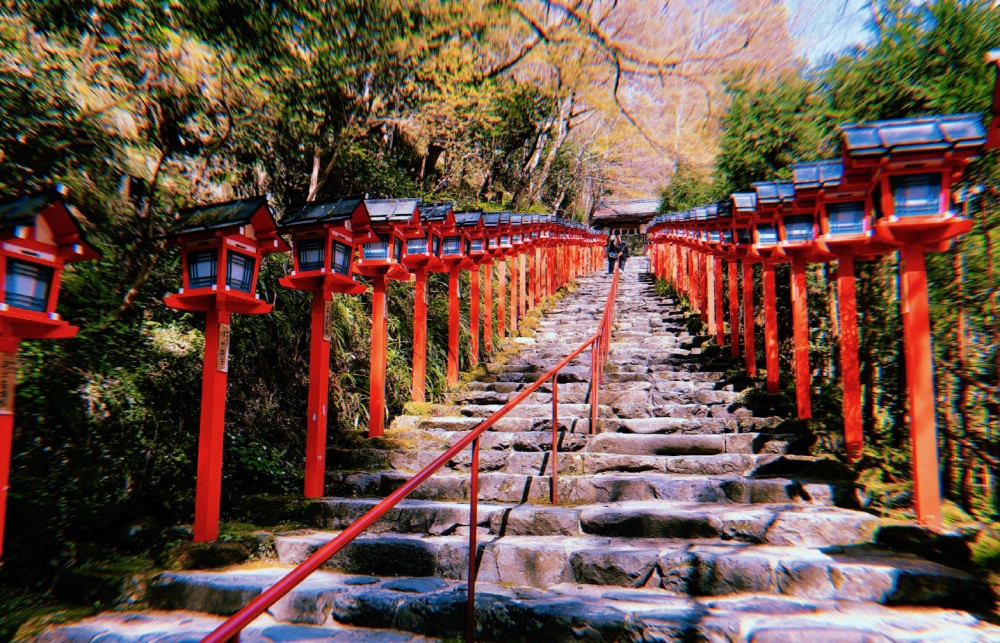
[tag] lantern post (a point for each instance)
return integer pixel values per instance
(40, 236)
(797, 231)
(500, 252)
(455, 247)
(476, 253)
(744, 209)
(491, 226)
(234, 235)
(383, 247)
(773, 199)
(422, 235)
(323, 259)
(913, 166)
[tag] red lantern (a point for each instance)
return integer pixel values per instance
(383, 248)
(221, 248)
(38, 237)
(323, 259)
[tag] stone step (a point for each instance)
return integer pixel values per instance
(536, 411)
(436, 607)
(660, 424)
(784, 525)
(580, 463)
(605, 487)
(685, 568)
(187, 627)
(569, 440)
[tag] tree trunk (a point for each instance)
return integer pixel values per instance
(314, 178)
(562, 126)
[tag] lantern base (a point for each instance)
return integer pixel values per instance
(806, 251)
(428, 262)
(933, 234)
(326, 282)
(29, 324)
(227, 301)
(857, 245)
(387, 269)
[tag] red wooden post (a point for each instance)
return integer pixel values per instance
(319, 388)
(488, 310)
(376, 400)
(513, 296)
(8, 346)
(847, 312)
(719, 306)
(770, 328)
(522, 292)
(749, 350)
(501, 292)
(710, 292)
(800, 324)
(734, 310)
(417, 389)
(215, 368)
(920, 381)
(474, 317)
(703, 285)
(453, 326)
(536, 276)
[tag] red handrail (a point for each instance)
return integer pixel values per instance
(230, 630)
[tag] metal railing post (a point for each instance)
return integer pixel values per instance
(470, 610)
(554, 491)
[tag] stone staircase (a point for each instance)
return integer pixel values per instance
(681, 518)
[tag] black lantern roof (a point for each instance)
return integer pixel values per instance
(914, 134)
(492, 219)
(468, 219)
(745, 202)
(391, 210)
(818, 174)
(219, 215)
(516, 219)
(724, 208)
(505, 218)
(435, 212)
(23, 210)
(327, 211)
(772, 192)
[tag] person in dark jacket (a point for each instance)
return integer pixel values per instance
(614, 249)
(623, 255)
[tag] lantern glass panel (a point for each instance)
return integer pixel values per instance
(341, 260)
(916, 195)
(516, 239)
(437, 246)
(311, 254)
(202, 268)
(767, 233)
(397, 249)
(416, 246)
(468, 247)
(28, 284)
(453, 245)
(799, 227)
(477, 245)
(377, 250)
(727, 236)
(505, 240)
(239, 271)
(846, 218)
